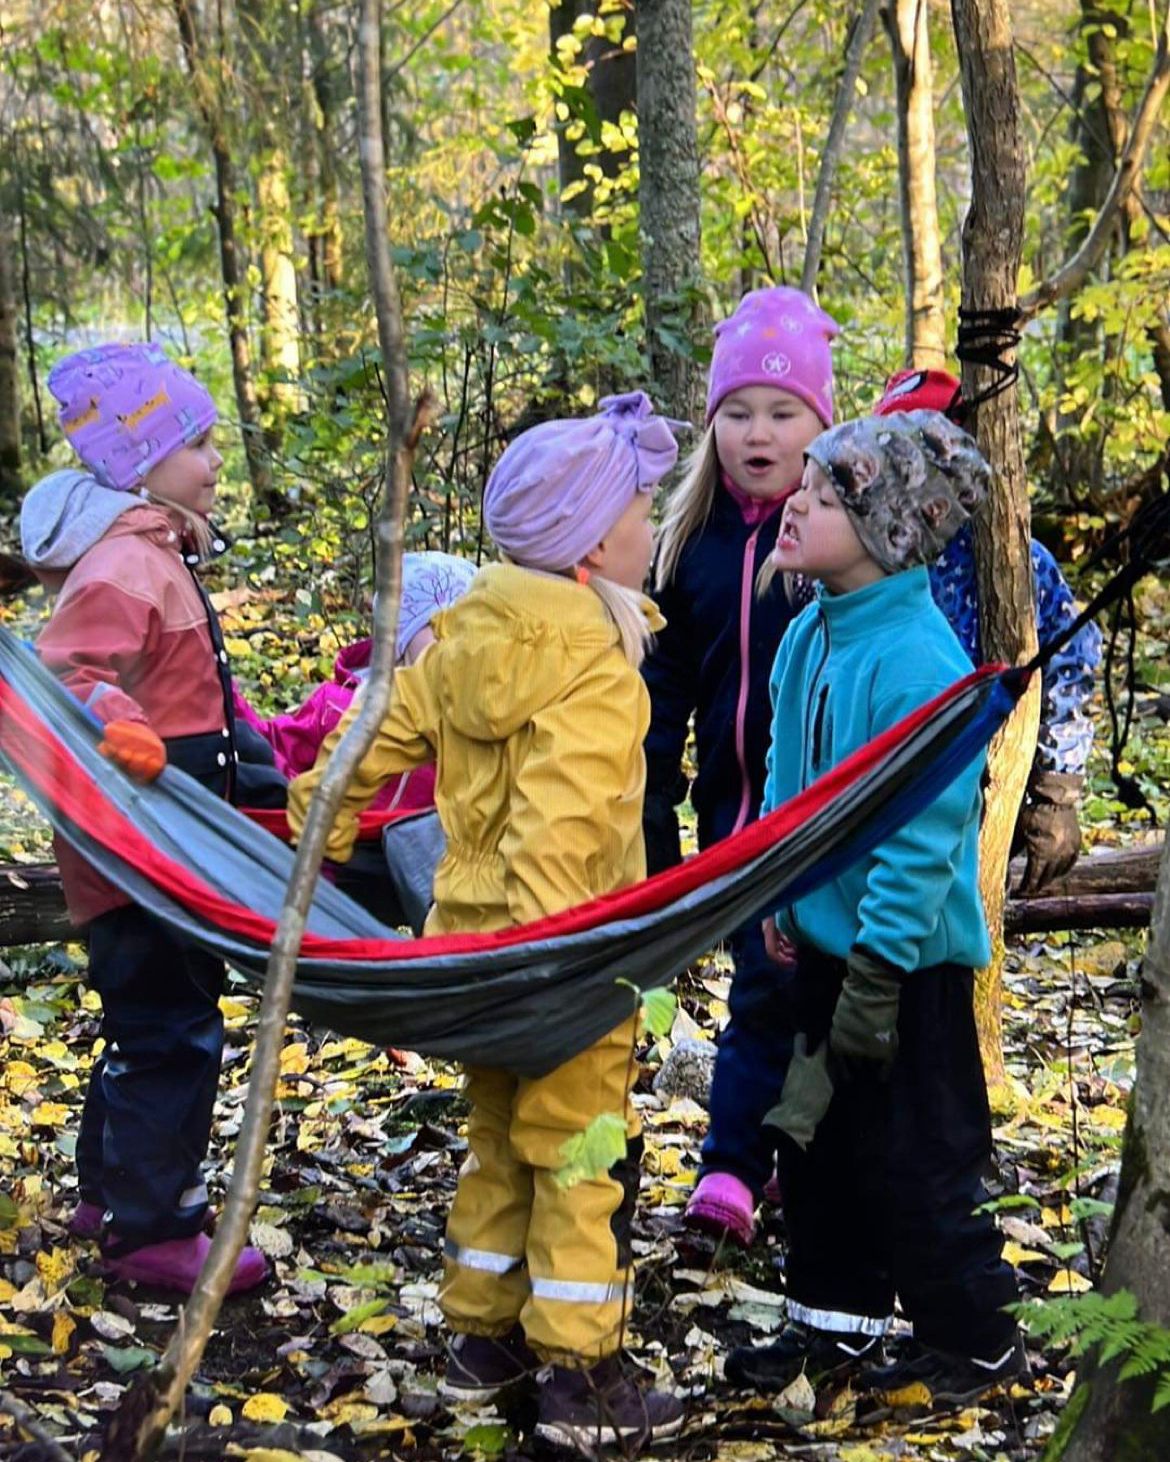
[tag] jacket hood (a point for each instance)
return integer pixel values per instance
(514, 641)
(65, 514)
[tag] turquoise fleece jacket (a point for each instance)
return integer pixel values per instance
(851, 666)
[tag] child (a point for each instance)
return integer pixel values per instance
(430, 582)
(884, 1120)
(134, 637)
(770, 393)
(1047, 830)
(531, 704)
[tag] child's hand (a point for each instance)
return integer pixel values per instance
(135, 748)
(781, 949)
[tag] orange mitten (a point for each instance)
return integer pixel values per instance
(135, 748)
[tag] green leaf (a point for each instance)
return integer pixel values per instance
(488, 1439)
(353, 1318)
(8, 1211)
(658, 1008)
(128, 1358)
(590, 1153)
(26, 1345)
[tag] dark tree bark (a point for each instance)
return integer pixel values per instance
(611, 88)
(11, 483)
(668, 202)
(208, 100)
(993, 233)
(1112, 1419)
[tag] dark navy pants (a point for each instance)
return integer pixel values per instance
(754, 1050)
(147, 1117)
(883, 1202)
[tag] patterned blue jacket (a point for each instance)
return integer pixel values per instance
(1066, 732)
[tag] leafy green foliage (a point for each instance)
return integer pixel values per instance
(1109, 1324)
(594, 1151)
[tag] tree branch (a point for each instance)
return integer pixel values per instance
(1069, 278)
(858, 41)
(141, 1422)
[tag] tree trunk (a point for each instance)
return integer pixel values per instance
(280, 335)
(208, 101)
(326, 93)
(11, 484)
(668, 202)
(926, 334)
(1098, 132)
(993, 234)
(1113, 1418)
(860, 35)
(611, 85)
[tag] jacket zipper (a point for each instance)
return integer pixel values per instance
(747, 577)
(816, 711)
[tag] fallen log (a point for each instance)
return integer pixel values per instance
(1108, 889)
(32, 905)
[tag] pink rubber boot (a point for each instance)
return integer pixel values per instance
(723, 1206)
(86, 1220)
(175, 1264)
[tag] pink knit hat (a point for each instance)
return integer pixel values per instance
(561, 486)
(125, 408)
(777, 337)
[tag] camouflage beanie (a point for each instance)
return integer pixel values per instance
(908, 482)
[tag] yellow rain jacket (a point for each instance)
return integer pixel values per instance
(536, 720)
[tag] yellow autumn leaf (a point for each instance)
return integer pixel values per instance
(49, 1114)
(916, 1394)
(63, 1327)
(220, 1415)
(270, 1454)
(265, 1406)
(378, 1324)
(234, 1012)
(55, 1268)
(19, 1076)
(347, 1412)
(294, 1060)
(236, 646)
(1068, 1281)
(1016, 1253)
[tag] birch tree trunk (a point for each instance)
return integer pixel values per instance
(906, 24)
(11, 483)
(1109, 1418)
(993, 234)
(668, 202)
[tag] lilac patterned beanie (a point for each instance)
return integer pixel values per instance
(125, 408)
(908, 482)
(430, 582)
(561, 486)
(777, 337)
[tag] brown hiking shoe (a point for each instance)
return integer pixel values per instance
(479, 1367)
(602, 1406)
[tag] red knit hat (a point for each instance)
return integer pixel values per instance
(913, 390)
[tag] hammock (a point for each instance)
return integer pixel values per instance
(524, 998)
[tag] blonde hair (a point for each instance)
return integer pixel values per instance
(689, 507)
(195, 525)
(627, 609)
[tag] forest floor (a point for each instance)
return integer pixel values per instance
(338, 1356)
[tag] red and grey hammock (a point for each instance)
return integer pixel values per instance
(525, 998)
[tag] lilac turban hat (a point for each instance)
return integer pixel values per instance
(560, 487)
(126, 408)
(777, 337)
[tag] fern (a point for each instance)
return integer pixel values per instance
(1110, 1323)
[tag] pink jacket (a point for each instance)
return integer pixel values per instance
(129, 637)
(296, 737)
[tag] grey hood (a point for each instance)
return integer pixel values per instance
(65, 514)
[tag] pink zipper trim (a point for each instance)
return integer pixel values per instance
(745, 621)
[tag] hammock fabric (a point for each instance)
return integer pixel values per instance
(525, 998)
